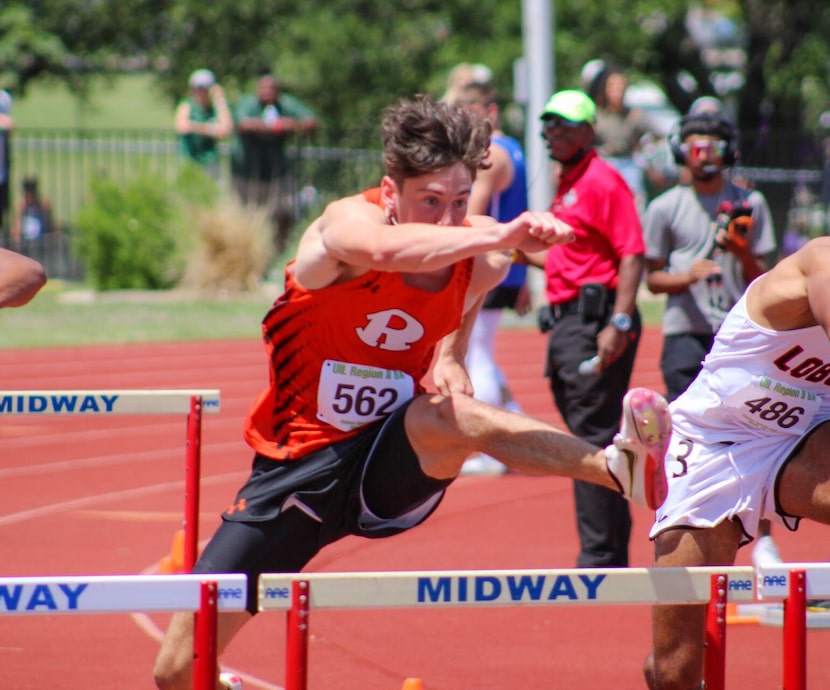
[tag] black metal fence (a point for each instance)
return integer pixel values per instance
(791, 171)
(63, 163)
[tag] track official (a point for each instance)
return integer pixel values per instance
(592, 317)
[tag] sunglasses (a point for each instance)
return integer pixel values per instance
(556, 121)
(698, 148)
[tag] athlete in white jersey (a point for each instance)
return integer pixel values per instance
(748, 442)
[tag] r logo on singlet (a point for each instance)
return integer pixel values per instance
(391, 329)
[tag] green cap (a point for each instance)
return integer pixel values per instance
(571, 105)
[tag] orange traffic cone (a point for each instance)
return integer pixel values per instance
(173, 564)
(413, 684)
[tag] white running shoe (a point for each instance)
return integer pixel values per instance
(765, 552)
(482, 465)
(635, 460)
(230, 681)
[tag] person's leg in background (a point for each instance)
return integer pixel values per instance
(591, 406)
(488, 383)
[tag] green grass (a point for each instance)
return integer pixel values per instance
(127, 102)
(61, 316)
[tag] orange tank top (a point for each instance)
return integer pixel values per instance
(347, 354)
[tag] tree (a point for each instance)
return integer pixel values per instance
(351, 58)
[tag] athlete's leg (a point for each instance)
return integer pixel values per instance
(803, 488)
(445, 430)
(676, 660)
(283, 544)
(174, 664)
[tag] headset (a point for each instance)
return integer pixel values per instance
(704, 123)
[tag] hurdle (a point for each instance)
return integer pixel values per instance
(297, 594)
(202, 594)
(105, 403)
(794, 584)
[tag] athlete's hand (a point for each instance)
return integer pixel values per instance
(536, 231)
(450, 376)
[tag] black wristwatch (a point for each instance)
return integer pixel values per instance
(621, 321)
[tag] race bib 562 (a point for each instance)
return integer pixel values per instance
(352, 395)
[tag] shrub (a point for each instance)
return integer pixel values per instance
(129, 236)
(231, 247)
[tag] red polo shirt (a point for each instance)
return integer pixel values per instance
(596, 202)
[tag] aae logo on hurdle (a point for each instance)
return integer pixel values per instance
(105, 402)
(774, 580)
(502, 587)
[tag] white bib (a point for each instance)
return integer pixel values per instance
(770, 405)
(353, 395)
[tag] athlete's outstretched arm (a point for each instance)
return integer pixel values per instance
(20, 278)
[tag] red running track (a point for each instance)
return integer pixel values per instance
(105, 496)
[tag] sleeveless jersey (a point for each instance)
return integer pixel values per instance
(200, 147)
(345, 355)
(757, 382)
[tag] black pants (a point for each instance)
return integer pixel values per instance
(592, 407)
(682, 360)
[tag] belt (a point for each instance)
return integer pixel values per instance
(564, 309)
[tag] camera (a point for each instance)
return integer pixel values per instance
(735, 220)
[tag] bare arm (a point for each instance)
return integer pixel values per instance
(353, 236)
(219, 129)
(611, 343)
(20, 278)
(660, 281)
(450, 371)
(224, 120)
(182, 122)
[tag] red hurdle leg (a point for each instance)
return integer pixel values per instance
(204, 639)
(193, 464)
(795, 632)
(296, 648)
(714, 654)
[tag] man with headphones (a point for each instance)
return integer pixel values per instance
(706, 239)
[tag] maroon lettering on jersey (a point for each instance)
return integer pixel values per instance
(812, 369)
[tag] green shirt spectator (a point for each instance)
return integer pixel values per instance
(260, 165)
(202, 120)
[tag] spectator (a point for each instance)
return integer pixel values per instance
(262, 169)
(32, 219)
(346, 439)
(500, 192)
(592, 314)
(701, 253)
(619, 130)
(464, 74)
(749, 442)
(6, 127)
(20, 278)
(691, 254)
(202, 120)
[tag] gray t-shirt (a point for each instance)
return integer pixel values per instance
(679, 228)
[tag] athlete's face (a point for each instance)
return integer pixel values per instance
(439, 198)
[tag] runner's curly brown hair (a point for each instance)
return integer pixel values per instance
(422, 136)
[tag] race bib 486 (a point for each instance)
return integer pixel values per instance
(770, 405)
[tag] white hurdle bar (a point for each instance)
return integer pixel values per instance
(203, 594)
(298, 593)
(104, 403)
